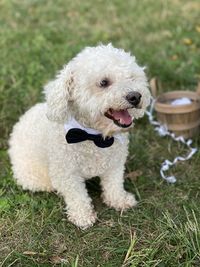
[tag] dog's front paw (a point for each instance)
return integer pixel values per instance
(121, 201)
(82, 219)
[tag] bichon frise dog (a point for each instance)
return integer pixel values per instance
(81, 131)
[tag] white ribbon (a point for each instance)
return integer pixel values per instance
(163, 131)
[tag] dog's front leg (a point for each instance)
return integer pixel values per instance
(80, 210)
(114, 194)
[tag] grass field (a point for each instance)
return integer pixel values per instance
(36, 38)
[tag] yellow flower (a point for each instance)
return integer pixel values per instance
(197, 28)
(187, 41)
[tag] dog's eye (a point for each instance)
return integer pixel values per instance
(104, 83)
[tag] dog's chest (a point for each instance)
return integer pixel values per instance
(93, 161)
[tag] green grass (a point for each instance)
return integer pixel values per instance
(36, 38)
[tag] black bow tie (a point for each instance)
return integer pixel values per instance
(76, 135)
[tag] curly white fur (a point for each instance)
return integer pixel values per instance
(41, 158)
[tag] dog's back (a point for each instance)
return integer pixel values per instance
(28, 150)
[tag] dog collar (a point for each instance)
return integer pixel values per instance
(76, 133)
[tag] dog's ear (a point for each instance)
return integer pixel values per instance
(57, 94)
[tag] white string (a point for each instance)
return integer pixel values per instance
(163, 131)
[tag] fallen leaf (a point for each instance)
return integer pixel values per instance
(57, 260)
(30, 253)
(133, 175)
(174, 57)
(187, 41)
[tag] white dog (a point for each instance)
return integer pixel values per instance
(93, 100)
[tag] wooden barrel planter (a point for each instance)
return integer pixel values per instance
(183, 120)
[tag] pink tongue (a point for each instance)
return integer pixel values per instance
(122, 116)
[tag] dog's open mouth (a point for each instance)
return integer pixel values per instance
(121, 118)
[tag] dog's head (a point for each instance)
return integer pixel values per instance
(102, 87)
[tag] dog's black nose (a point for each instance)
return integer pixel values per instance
(134, 98)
